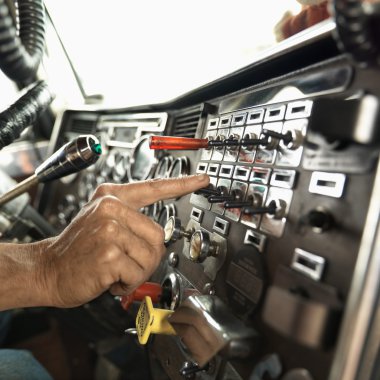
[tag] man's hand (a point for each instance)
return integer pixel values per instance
(110, 245)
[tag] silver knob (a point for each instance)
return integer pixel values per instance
(202, 247)
(174, 231)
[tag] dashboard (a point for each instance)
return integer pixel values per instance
(271, 272)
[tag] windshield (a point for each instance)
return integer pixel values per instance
(142, 52)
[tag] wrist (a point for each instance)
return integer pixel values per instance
(24, 275)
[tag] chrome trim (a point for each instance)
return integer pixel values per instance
(289, 178)
(225, 121)
(257, 119)
(255, 239)
(329, 184)
(202, 167)
(213, 123)
(362, 299)
(197, 214)
(290, 114)
(242, 116)
(213, 169)
(300, 256)
(279, 113)
(225, 226)
(225, 168)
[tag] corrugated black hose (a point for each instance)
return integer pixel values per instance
(21, 50)
(23, 112)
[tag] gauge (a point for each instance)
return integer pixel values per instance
(162, 170)
(120, 170)
(143, 161)
(165, 213)
(153, 210)
(179, 168)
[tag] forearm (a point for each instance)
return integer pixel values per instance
(22, 275)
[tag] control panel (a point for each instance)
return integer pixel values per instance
(266, 267)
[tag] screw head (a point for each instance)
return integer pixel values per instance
(173, 259)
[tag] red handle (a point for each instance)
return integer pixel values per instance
(176, 143)
(147, 289)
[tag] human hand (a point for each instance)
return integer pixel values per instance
(110, 245)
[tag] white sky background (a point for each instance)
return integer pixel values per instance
(148, 51)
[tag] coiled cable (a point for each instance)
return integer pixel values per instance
(23, 113)
(353, 31)
(21, 50)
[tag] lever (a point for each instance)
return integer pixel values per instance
(222, 196)
(207, 191)
(71, 158)
(275, 209)
(150, 320)
(155, 291)
(253, 200)
(186, 143)
(292, 139)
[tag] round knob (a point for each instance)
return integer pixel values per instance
(296, 139)
(174, 231)
(202, 247)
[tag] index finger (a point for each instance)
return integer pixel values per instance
(140, 194)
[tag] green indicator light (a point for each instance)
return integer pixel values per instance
(96, 148)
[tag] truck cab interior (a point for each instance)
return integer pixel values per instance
(272, 272)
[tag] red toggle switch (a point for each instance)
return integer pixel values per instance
(151, 289)
(177, 143)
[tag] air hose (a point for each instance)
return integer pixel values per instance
(23, 112)
(355, 31)
(21, 47)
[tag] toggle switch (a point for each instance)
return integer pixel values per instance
(275, 209)
(201, 247)
(150, 320)
(232, 142)
(222, 197)
(155, 291)
(253, 200)
(291, 139)
(174, 231)
(208, 191)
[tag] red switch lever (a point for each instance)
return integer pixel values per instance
(151, 289)
(177, 143)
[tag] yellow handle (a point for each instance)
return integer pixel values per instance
(152, 321)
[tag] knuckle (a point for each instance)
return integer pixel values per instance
(108, 205)
(110, 255)
(109, 228)
(102, 190)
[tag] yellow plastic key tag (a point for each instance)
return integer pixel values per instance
(152, 321)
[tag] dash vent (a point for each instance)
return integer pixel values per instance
(81, 126)
(186, 122)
